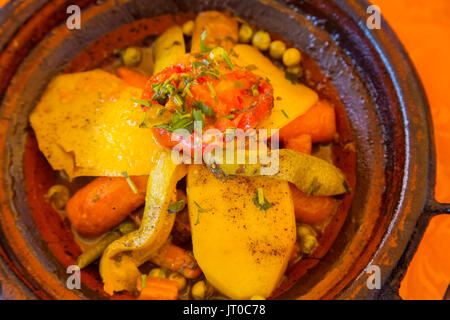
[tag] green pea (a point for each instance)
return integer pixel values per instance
(277, 48)
(179, 279)
(261, 40)
(291, 57)
(198, 290)
(245, 33)
(131, 56)
(157, 273)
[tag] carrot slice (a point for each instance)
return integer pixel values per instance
(104, 203)
(131, 77)
(312, 209)
(175, 258)
(159, 289)
(319, 122)
(302, 143)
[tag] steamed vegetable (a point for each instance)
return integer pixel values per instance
(301, 143)
(277, 49)
(319, 122)
(261, 40)
(290, 100)
(95, 252)
(159, 289)
(221, 30)
(168, 48)
(242, 247)
(104, 203)
(83, 113)
(309, 174)
(131, 56)
(291, 57)
(245, 33)
(120, 261)
(312, 209)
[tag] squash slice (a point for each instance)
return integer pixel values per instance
(242, 249)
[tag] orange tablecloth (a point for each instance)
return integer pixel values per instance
(424, 29)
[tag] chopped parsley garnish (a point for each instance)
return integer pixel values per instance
(291, 77)
(260, 200)
(130, 182)
(238, 84)
(203, 47)
(143, 124)
(227, 59)
(255, 90)
(199, 210)
(141, 102)
(213, 91)
(176, 207)
(284, 113)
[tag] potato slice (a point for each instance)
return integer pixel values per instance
(242, 249)
(87, 125)
(167, 48)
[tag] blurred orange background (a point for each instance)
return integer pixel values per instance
(424, 29)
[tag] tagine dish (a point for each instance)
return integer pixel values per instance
(202, 164)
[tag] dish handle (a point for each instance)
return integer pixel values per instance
(390, 290)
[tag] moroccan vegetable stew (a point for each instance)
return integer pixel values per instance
(143, 183)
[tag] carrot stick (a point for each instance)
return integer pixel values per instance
(175, 258)
(302, 143)
(104, 203)
(159, 289)
(133, 78)
(319, 122)
(312, 209)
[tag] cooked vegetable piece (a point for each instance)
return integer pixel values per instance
(261, 40)
(292, 57)
(131, 56)
(319, 122)
(157, 273)
(188, 28)
(241, 249)
(175, 258)
(159, 289)
(199, 290)
(168, 48)
(245, 33)
(104, 203)
(131, 77)
(58, 195)
(309, 174)
(290, 99)
(312, 209)
(119, 270)
(307, 238)
(277, 48)
(95, 252)
(221, 30)
(179, 279)
(82, 113)
(301, 143)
